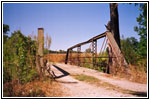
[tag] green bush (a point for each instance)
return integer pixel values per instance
(19, 58)
(102, 63)
(6, 75)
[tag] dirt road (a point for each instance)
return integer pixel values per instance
(76, 88)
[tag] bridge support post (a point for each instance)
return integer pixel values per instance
(94, 52)
(118, 64)
(79, 51)
(39, 58)
(71, 57)
(67, 54)
(110, 54)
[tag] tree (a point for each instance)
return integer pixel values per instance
(5, 30)
(48, 41)
(88, 50)
(142, 31)
(114, 29)
(114, 22)
(19, 58)
(129, 48)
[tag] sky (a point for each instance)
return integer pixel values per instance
(68, 23)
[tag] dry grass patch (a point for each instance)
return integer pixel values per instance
(138, 74)
(85, 78)
(42, 88)
(93, 80)
(56, 57)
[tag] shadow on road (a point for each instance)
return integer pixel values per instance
(67, 82)
(65, 73)
(140, 94)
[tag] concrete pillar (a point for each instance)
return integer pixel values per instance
(41, 47)
(40, 41)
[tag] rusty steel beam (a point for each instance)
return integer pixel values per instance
(115, 49)
(94, 47)
(78, 45)
(67, 54)
(102, 45)
(94, 52)
(90, 40)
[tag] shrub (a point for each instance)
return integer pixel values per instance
(19, 58)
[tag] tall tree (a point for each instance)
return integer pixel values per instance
(115, 22)
(142, 30)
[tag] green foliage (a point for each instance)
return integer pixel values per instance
(61, 51)
(29, 75)
(136, 52)
(19, 51)
(87, 65)
(46, 51)
(5, 28)
(88, 50)
(86, 78)
(6, 75)
(142, 31)
(129, 48)
(102, 63)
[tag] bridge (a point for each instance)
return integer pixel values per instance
(115, 57)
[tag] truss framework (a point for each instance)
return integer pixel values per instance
(110, 42)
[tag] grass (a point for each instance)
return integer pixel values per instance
(56, 57)
(138, 74)
(37, 88)
(95, 81)
(85, 78)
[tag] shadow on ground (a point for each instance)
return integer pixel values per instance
(140, 94)
(67, 82)
(65, 73)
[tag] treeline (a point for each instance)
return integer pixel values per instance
(46, 51)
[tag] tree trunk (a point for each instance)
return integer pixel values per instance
(113, 27)
(115, 22)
